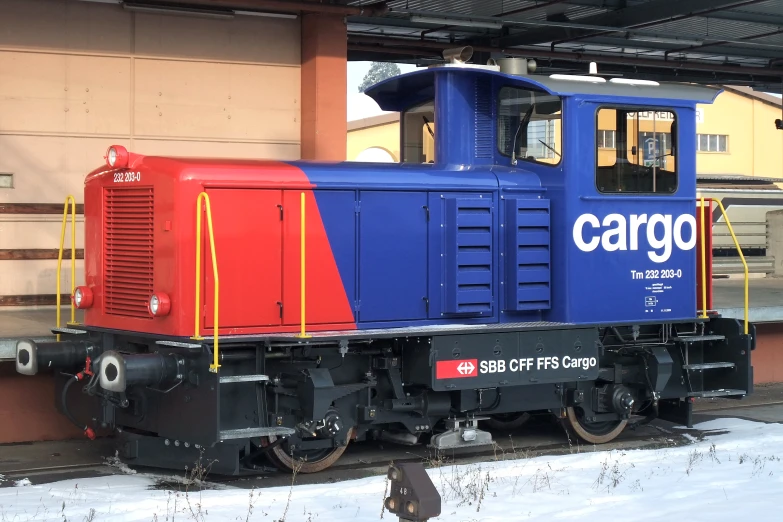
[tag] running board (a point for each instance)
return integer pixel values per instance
(698, 338)
(243, 378)
(708, 366)
(250, 433)
(717, 393)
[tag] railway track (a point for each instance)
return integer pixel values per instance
(364, 459)
(370, 458)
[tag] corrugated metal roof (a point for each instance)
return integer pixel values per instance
(689, 40)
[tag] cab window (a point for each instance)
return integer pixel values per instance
(635, 150)
(418, 134)
(529, 125)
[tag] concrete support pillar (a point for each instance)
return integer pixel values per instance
(324, 86)
(775, 240)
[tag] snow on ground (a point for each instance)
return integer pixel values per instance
(725, 477)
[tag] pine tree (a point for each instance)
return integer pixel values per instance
(378, 72)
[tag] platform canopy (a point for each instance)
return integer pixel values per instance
(731, 42)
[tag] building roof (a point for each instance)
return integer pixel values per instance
(731, 42)
(761, 96)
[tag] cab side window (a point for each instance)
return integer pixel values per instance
(418, 134)
(636, 151)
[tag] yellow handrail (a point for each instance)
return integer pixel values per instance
(302, 334)
(703, 261)
(72, 201)
(742, 257)
(205, 197)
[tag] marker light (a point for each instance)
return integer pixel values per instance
(159, 305)
(117, 157)
(82, 297)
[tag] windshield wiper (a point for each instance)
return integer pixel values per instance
(523, 122)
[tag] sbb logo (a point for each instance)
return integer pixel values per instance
(456, 369)
(623, 234)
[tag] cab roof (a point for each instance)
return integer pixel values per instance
(406, 90)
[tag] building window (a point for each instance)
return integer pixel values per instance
(712, 143)
(641, 158)
(528, 125)
(605, 139)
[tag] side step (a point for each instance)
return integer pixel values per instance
(243, 378)
(717, 393)
(250, 433)
(708, 366)
(698, 338)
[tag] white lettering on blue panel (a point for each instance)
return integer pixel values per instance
(616, 232)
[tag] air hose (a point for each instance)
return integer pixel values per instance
(63, 402)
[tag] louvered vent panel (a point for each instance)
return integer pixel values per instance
(483, 116)
(528, 261)
(468, 270)
(127, 247)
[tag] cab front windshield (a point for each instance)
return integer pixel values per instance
(529, 125)
(418, 134)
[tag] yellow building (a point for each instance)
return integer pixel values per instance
(736, 135)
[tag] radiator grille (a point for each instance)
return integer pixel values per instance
(128, 254)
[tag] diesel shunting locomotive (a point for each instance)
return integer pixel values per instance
(519, 258)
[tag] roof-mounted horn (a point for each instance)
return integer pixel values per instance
(458, 54)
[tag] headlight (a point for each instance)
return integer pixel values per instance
(82, 297)
(159, 305)
(117, 157)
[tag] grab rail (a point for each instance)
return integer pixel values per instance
(302, 330)
(205, 197)
(703, 260)
(742, 257)
(72, 201)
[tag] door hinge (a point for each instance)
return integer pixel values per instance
(281, 211)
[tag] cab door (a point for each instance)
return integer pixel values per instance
(248, 243)
(632, 222)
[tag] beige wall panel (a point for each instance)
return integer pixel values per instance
(57, 93)
(46, 169)
(213, 149)
(243, 39)
(38, 232)
(37, 277)
(65, 25)
(212, 100)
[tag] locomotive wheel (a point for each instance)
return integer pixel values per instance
(507, 421)
(593, 432)
(308, 461)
